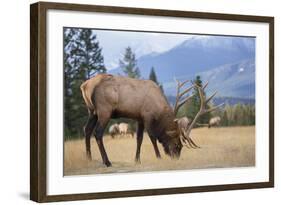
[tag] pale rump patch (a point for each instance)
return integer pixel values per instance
(88, 87)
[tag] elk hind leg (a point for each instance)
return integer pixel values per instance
(99, 131)
(88, 130)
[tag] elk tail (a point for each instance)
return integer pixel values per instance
(87, 97)
(88, 88)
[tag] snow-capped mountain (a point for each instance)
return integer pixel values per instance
(227, 61)
(231, 80)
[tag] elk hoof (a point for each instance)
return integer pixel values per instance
(137, 161)
(89, 156)
(108, 164)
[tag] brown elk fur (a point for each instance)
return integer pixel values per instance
(108, 96)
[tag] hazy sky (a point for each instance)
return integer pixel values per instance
(113, 43)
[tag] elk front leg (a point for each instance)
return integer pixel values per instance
(88, 130)
(139, 141)
(154, 143)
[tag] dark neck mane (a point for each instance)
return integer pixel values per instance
(164, 125)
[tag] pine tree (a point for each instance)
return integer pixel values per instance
(129, 64)
(82, 59)
(90, 54)
(193, 106)
(153, 77)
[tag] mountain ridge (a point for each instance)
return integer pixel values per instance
(228, 60)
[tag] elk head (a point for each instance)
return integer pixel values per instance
(185, 126)
(173, 149)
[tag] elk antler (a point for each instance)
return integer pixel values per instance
(180, 102)
(203, 109)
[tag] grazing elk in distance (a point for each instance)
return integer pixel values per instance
(113, 130)
(214, 121)
(107, 96)
(123, 128)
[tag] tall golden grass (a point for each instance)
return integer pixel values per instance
(220, 147)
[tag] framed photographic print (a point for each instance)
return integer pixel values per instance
(134, 102)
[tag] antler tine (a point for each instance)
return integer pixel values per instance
(185, 91)
(178, 104)
(214, 108)
(180, 84)
(183, 83)
(206, 84)
(210, 98)
(181, 103)
(177, 97)
(190, 142)
(200, 112)
(185, 100)
(205, 102)
(202, 109)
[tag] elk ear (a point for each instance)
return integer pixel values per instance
(176, 120)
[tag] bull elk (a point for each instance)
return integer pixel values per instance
(107, 96)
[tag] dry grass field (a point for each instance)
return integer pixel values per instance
(220, 147)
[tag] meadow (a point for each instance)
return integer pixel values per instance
(220, 148)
